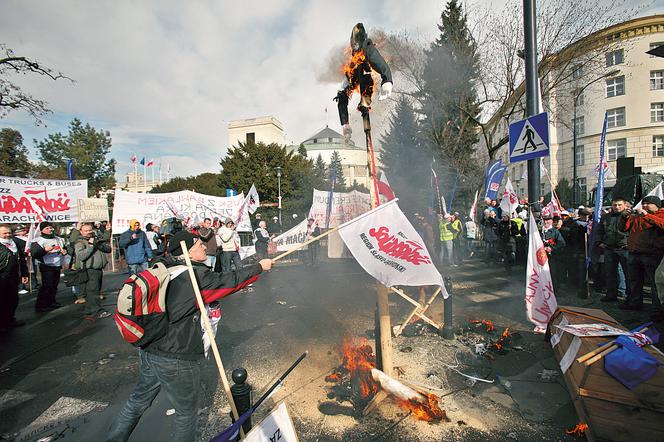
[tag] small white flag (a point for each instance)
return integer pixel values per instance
(510, 200)
(540, 299)
(253, 201)
(657, 191)
(387, 246)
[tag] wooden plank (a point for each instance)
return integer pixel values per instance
(611, 421)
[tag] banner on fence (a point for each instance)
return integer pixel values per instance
(345, 206)
(22, 199)
(92, 209)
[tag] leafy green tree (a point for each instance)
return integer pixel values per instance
(256, 163)
(207, 183)
(88, 148)
(564, 192)
(13, 154)
(302, 150)
(449, 103)
(337, 168)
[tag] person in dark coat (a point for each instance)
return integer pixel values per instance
(613, 242)
(358, 73)
(13, 270)
(262, 240)
(172, 362)
(313, 231)
(554, 245)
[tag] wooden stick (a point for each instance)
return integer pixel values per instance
(322, 235)
(419, 311)
(601, 355)
(112, 255)
(208, 329)
(406, 297)
(598, 350)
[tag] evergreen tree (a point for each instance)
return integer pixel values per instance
(449, 103)
(336, 167)
(13, 154)
(302, 150)
(320, 169)
(87, 147)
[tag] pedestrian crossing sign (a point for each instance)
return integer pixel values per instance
(529, 138)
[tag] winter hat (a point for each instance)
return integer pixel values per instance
(45, 224)
(652, 199)
(132, 222)
(174, 243)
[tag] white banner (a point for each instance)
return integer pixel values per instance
(656, 191)
(292, 238)
(277, 426)
(387, 246)
(155, 207)
(345, 206)
(92, 209)
(540, 299)
(21, 199)
(510, 200)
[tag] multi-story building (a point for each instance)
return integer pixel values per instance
(353, 158)
(260, 129)
(628, 85)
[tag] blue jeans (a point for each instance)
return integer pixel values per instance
(181, 381)
(135, 269)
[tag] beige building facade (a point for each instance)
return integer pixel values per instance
(260, 129)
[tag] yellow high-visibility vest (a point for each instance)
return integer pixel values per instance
(519, 223)
(445, 232)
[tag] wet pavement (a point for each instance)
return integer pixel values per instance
(64, 376)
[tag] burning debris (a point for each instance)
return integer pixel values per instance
(357, 380)
(500, 346)
(488, 325)
(579, 430)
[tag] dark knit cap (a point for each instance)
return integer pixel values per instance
(652, 199)
(174, 243)
(45, 224)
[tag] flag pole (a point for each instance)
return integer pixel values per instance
(208, 329)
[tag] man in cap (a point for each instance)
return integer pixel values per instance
(645, 244)
(137, 247)
(49, 250)
(13, 270)
(172, 361)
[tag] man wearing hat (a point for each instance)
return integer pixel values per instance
(172, 362)
(49, 250)
(137, 247)
(645, 244)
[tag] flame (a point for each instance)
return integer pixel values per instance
(579, 430)
(334, 377)
(486, 322)
(358, 359)
(425, 411)
(502, 342)
(354, 61)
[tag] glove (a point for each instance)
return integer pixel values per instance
(347, 131)
(386, 91)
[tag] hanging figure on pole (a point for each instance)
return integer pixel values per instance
(365, 58)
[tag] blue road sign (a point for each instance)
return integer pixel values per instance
(529, 138)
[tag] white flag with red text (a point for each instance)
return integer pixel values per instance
(540, 298)
(253, 201)
(387, 246)
(510, 200)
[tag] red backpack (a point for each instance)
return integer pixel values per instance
(141, 314)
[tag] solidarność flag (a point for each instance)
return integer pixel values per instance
(387, 246)
(540, 299)
(253, 201)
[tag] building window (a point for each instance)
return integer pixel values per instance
(251, 138)
(654, 45)
(617, 149)
(615, 117)
(582, 188)
(580, 155)
(615, 57)
(329, 140)
(656, 80)
(656, 112)
(616, 86)
(315, 140)
(658, 146)
(579, 125)
(361, 171)
(577, 72)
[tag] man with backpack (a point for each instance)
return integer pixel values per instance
(172, 360)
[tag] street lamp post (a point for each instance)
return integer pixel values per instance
(279, 185)
(575, 185)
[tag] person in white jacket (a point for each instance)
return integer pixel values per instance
(230, 246)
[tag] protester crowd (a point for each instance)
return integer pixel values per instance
(623, 256)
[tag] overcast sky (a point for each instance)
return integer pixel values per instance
(165, 77)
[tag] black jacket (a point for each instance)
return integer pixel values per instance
(184, 339)
(609, 232)
(12, 265)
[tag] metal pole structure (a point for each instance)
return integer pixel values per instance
(575, 190)
(279, 185)
(532, 97)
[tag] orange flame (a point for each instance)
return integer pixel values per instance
(486, 322)
(334, 377)
(425, 411)
(503, 341)
(359, 359)
(579, 430)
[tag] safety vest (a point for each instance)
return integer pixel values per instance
(519, 223)
(445, 232)
(457, 226)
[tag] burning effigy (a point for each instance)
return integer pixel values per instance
(358, 381)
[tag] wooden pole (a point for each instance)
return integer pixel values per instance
(322, 235)
(208, 329)
(112, 255)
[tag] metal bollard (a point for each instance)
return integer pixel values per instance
(241, 392)
(448, 328)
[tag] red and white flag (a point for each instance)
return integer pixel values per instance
(473, 208)
(384, 188)
(540, 298)
(387, 246)
(133, 158)
(510, 200)
(150, 163)
(253, 201)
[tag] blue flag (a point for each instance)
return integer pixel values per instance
(493, 182)
(489, 170)
(142, 162)
(231, 192)
(599, 193)
(70, 170)
(231, 433)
